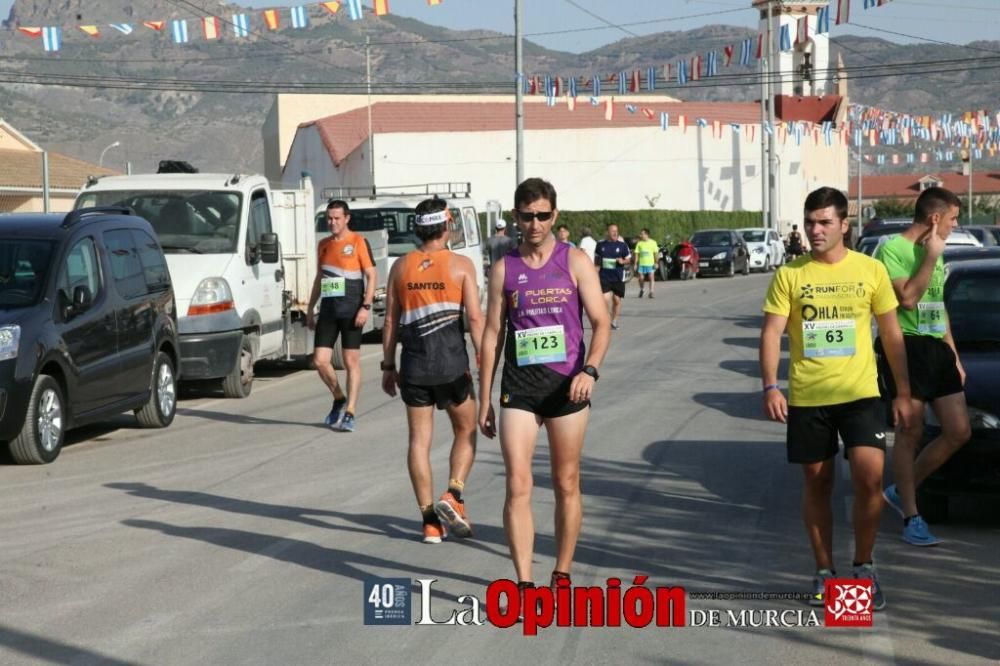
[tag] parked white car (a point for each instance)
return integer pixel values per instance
(961, 237)
(767, 251)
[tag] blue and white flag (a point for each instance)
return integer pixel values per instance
(828, 132)
(713, 64)
(881, 159)
(300, 18)
(736, 127)
(547, 85)
(682, 72)
(871, 3)
(767, 128)
(124, 28)
(702, 122)
(664, 120)
(595, 85)
(651, 79)
(786, 37)
(550, 100)
(572, 86)
(978, 153)
(910, 158)
(622, 83)
(939, 155)
(746, 49)
(823, 20)
(179, 31)
(51, 38)
(354, 9)
(241, 25)
(631, 108)
(858, 137)
(595, 101)
(950, 155)
(798, 134)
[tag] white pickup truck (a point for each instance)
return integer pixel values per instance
(242, 258)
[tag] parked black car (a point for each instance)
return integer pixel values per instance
(721, 251)
(88, 327)
(972, 297)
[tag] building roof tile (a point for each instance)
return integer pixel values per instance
(907, 185)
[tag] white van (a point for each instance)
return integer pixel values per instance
(224, 259)
(394, 212)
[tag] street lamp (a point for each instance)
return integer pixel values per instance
(100, 161)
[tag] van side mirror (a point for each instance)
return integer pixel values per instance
(82, 300)
(269, 248)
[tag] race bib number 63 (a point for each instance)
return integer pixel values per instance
(824, 339)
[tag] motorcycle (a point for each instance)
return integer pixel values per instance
(685, 260)
(664, 262)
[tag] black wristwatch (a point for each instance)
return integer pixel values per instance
(592, 371)
(366, 306)
(387, 367)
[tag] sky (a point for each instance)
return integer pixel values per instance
(961, 22)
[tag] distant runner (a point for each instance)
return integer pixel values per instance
(646, 254)
(611, 257)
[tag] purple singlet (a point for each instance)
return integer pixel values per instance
(544, 331)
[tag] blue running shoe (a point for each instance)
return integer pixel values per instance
(916, 533)
(867, 571)
(892, 499)
(346, 423)
(333, 418)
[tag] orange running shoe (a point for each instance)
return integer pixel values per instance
(452, 512)
(434, 533)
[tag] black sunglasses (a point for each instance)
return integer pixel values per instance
(528, 216)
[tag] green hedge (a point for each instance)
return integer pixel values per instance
(675, 224)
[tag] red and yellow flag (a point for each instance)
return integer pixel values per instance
(332, 7)
(154, 25)
(433, 2)
(271, 19)
(34, 33)
(381, 7)
(91, 30)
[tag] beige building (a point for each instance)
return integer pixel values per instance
(21, 181)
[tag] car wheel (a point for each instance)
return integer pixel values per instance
(767, 265)
(746, 266)
(41, 436)
(239, 381)
(933, 507)
(159, 411)
(732, 268)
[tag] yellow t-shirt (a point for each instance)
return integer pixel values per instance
(829, 309)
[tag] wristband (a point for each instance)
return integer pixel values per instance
(387, 367)
(771, 387)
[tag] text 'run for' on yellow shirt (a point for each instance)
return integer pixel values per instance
(829, 309)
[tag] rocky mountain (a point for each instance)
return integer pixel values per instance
(205, 101)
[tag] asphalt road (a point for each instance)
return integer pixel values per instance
(242, 533)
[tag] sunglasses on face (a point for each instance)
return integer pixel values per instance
(528, 216)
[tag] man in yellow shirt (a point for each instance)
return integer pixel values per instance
(825, 301)
(646, 254)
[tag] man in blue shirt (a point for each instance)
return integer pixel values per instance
(611, 256)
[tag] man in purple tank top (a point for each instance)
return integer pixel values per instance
(537, 295)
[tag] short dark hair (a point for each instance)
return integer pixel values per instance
(339, 203)
(934, 200)
(430, 231)
(533, 189)
(825, 197)
(645, 230)
(561, 227)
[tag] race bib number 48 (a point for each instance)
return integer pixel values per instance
(332, 287)
(545, 344)
(823, 339)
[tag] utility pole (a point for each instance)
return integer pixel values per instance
(519, 93)
(859, 193)
(371, 139)
(772, 174)
(764, 173)
(969, 217)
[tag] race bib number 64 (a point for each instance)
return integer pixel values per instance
(824, 339)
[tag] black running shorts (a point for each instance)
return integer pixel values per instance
(617, 288)
(549, 406)
(931, 365)
(328, 328)
(813, 431)
(442, 396)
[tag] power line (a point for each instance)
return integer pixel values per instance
(591, 14)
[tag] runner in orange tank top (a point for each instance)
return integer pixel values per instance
(428, 291)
